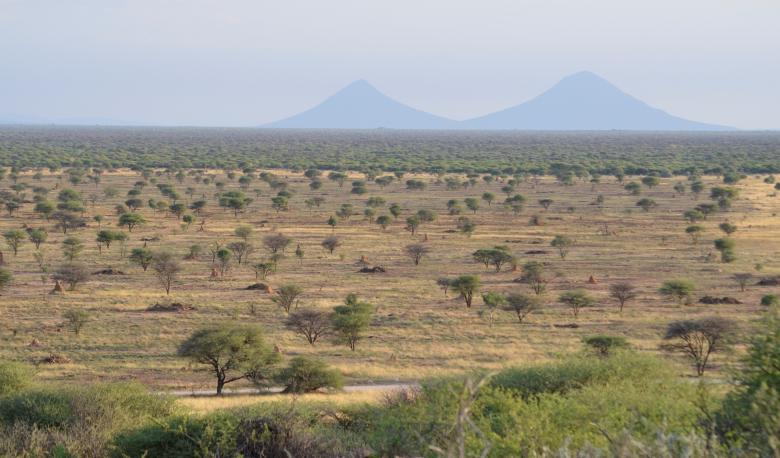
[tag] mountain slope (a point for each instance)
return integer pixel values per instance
(362, 106)
(585, 101)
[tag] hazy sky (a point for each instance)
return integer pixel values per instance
(242, 62)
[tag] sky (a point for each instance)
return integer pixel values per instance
(248, 62)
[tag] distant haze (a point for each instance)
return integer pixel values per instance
(249, 63)
(583, 101)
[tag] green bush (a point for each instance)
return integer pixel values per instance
(576, 372)
(525, 411)
(14, 377)
(266, 430)
(749, 416)
(304, 375)
(770, 299)
(604, 345)
(83, 420)
(179, 437)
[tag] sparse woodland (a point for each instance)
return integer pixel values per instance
(533, 272)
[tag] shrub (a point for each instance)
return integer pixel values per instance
(273, 430)
(681, 290)
(304, 375)
(623, 392)
(604, 345)
(748, 418)
(81, 421)
(770, 299)
(14, 377)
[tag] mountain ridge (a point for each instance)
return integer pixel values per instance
(581, 101)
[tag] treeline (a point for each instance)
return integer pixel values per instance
(604, 153)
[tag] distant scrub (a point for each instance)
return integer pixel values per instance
(605, 153)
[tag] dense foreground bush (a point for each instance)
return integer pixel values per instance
(623, 404)
(78, 421)
(269, 430)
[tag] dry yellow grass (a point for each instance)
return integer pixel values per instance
(206, 404)
(417, 332)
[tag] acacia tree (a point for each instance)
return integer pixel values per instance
(276, 242)
(698, 339)
(533, 274)
(37, 237)
(232, 352)
(141, 256)
(241, 249)
(576, 300)
(466, 286)
(742, 279)
(444, 283)
(522, 305)
(622, 292)
(563, 244)
(131, 220)
(166, 267)
(76, 320)
(726, 248)
(262, 269)
(492, 302)
(681, 290)
(416, 252)
(14, 238)
(351, 320)
(331, 243)
(288, 296)
(694, 231)
(107, 237)
(72, 274)
(71, 248)
(497, 257)
(311, 324)
(488, 197)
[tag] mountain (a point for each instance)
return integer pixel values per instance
(361, 106)
(585, 101)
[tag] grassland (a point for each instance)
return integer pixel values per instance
(417, 331)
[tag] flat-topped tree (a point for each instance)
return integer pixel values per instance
(466, 286)
(311, 324)
(330, 243)
(232, 352)
(577, 300)
(522, 305)
(416, 252)
(698, 339)
(276, 242)
(680, 290)
(131, 220)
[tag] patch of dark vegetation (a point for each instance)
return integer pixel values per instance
(372, 270)
(259, 287)
(719, 300)
(769, 281)
(171, 307)
(108, 271)
(56, 358)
